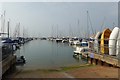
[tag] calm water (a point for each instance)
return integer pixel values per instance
(48, 54)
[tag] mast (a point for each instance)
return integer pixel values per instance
(78, 29)
(70, 31)
(89, 21)
(3, 27)
(1, 22)
(52, 31)
(8, 29)
(102, 24)
(57, 30)
(19, 29)
(87, 26)
(23, 32)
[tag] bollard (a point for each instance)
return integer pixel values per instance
(102, 63)
(96, 61)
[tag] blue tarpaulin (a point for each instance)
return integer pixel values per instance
(8, 41)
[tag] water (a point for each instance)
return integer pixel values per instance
(47, 54)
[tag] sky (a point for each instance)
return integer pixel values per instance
(59, 0)
(60, 18)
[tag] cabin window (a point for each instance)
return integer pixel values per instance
(84, 44)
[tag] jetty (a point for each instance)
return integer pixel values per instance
(101, 59)
(8, 62)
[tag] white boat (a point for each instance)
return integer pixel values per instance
(118, 44)
(113, 41)
(84, 44)
(58, 40)
(97, 42)
(77, 50)
(65, 40)
(76, 42)
(71, 41)
(80, 50)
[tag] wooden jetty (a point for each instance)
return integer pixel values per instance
(102, 59)
(8, 62)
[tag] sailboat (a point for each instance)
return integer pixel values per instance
(76, 41)
(86, 44)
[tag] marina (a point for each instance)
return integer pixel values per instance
(59, 46)
(47, 54)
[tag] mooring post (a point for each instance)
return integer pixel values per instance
(87, 58)
(96, 61)
(102, 63)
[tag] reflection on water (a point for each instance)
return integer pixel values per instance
(48, 54)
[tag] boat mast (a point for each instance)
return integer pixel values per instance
(78, 28)
(57, 30)
(23, 32)
(19, 29)
(8, 29)
(70, 31)
(3, 27)
(89, 21)
(102, 24)
(87, 26)
(52, 32)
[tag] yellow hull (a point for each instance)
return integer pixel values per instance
(104, 41)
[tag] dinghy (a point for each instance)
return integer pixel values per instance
(118, 44)
(97, 42)
(113, 41)
(104, 41)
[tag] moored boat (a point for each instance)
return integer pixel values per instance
(97, 42)
(104, 41)
(118, 44)
(113, 41)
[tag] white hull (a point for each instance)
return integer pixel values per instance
(96, 42)
(118, 44)
(113, 41)
(77, 50)
(76, 42)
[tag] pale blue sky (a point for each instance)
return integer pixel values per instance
(38, 18)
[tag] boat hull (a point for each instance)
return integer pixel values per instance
(104, 41)
(118, 44)
(113, 41)
(97, 42)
